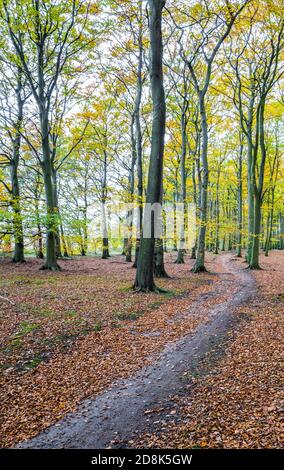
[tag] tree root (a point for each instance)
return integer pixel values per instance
(199, 269)
(47, 267)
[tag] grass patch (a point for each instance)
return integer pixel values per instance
(97, 327)
(16, 342)
(38, 311)
(61, 338)
(34, 362)
(67, 338)
(126, 288)
(25, 329)
(129, 315)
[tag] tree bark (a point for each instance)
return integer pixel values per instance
(182, 249)
(138, 138)
(240, 202)
(52, 216)
(144, 276)
(18, 256)
(199, 265)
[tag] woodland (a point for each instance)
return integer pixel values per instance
(108, 107)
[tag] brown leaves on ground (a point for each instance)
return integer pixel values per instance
(240, 402)
(69, 335)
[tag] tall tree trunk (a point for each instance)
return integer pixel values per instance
(57, 234)
(105, 250)
(85, 217)
(250, 156)
(251, 211)
(240, 201)
(175, 215)
(51, 216)
(254, 261)
(258, 179)
(159, 267)
(64, 244)
(199, 265)
(138, 137)
(281, 231)
(268, 232)
(144, 275)
(131, 180)
(85, 231)
(39, 252)
(182, 249)
(193, 250)
(18, 255)
(124, 248)
(217, 213)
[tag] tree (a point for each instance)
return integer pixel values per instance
(256, 73)
(45, 36)
(144, 275)
(11, 117)
(202, 57)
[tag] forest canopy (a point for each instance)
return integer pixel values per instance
(106, 106)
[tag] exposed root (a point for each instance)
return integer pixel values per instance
(162, 276)
(144, 290)
(254, 267)
(159, 290)
(48, 267)
(199, 269)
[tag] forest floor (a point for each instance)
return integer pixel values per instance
(203, 361)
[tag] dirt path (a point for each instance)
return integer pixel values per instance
(134, 406)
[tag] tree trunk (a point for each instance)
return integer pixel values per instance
(131, 179)
(18, 256)
(258, 174)
(193, 250)
(250, 151)
(124, 248)
(144, 276)
(52, 215)
(57, 234)
(281, 231)
(199, 265)
(64, 245)
(159, 268)
(39, 253)
(254, 262)
(175, 213)
(138, 138)
(105, 250)
(240, 202)
(217, 214)
(182, 247)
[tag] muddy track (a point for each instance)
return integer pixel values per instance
(119, 413)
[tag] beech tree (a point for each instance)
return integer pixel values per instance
(45, 36)
(82, 121)
(202, 56)
(13, 97)
(144, 276)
